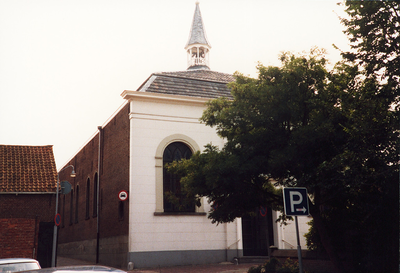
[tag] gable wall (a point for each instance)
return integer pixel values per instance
(157, 239)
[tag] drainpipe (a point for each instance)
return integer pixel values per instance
(98, 196)
(34, 238)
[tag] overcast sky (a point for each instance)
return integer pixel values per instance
(64, 63)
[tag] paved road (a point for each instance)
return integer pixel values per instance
(211, 268)
(61, 261)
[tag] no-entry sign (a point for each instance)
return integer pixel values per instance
(296, 201)
(123, 195)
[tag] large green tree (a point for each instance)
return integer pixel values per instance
(300, 125)
(373, 30)
(334, 132)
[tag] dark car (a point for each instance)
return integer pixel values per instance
(78, 269)
(18, 264)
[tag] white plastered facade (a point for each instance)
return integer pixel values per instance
(156, 120)
(285, 235)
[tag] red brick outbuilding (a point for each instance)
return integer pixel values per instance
(28, 179)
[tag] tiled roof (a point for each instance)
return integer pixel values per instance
(206, 75)
(193, 83)
(27, 169)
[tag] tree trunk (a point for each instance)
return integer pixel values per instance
(325, 240)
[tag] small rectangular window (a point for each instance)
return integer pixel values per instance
(121, 210)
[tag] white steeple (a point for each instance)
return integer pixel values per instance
(198, 47)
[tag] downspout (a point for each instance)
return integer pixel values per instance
(98, 196)
(34, 238)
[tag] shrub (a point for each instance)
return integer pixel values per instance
(271, 265)
(289, 266)
(254, 269)
(274, 266)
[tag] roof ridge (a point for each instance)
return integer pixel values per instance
(20, 145)
(193, 71)
(185, 74)
(195, 79)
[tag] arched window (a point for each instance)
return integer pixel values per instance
(88, 198)
(95, 196)
(63, 211)
(174, 201)
(71, 208)
(77, 204)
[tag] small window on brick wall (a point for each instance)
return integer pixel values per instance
(63, 211)
(87, 198)
(95, 196)
(121, 210)
(77, 205)
(71, 208)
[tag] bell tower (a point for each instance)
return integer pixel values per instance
(198, 47)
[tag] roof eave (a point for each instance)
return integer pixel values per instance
(30, 193)
(147, 96)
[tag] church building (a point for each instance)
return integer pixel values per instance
(117, 212)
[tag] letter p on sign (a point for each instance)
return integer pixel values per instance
(295, 201)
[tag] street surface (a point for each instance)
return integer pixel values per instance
(210, 268)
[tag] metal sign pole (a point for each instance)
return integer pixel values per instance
(298, 246)
(54, 250)
(296, 204)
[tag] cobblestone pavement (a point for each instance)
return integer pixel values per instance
(209, 268)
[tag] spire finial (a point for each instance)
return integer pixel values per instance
(198, 46)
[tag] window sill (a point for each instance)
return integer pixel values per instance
(177, 213)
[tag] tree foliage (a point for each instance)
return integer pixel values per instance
(373, 30)
(334, 132)
(266, 130)
(301, 125)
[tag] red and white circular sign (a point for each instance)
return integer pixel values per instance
(123, 195)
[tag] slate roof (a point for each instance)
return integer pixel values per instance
(27, 169)
(192, 83)
(197, 32)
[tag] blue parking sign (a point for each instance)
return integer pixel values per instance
(295, 201)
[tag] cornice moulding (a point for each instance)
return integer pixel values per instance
(156, 97)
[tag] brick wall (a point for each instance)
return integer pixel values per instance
(18, 238)
(20, 218)
(114, 177)
(28, 206)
